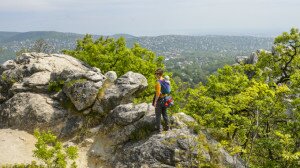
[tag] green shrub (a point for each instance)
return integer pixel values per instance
(56, 85)
(51, 151)
(110, 54)
(33, 164)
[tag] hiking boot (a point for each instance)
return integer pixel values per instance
(167, 128)
(158, 131)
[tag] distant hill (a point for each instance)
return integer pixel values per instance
(167, 45)
(6, 35)
(127, 36)
(11, 42)
(35, 35)
(189, 57)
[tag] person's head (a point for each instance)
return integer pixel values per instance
(159, 73)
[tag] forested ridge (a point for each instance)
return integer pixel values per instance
(203, 54)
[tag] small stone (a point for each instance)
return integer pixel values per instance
(145, 166)
(94, 76)
(111, 76)
(94, 130)
(95, 69)
(69, 144)
(87, 111)
(87, 142)
(98, 84)
(23, 139)
(9, 64)
(177, 155)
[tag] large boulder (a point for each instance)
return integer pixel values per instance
(128, 113)
(73, 74)
(37, 79)
(252, 59)
(157, 151)
(29, 110)
(31, 97)
(180, 146)
(122, 91)
(82, 93)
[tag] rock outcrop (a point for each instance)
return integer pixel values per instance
(252, 59)
(81, 105)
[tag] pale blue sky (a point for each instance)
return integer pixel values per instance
(151, 17)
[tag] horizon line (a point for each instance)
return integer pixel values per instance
(171, 34)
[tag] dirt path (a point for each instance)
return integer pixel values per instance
(16, 146)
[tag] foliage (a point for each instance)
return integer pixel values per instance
(254, 109)
(109, 54)
(213, 150)
(56, 85)
(39, 46)
(33, 164)
(72, 82)
(195, 67)
(51, 151)
(284, 59)
(21, 51)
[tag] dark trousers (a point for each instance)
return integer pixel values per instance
(160, 109)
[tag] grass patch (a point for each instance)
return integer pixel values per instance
(194, 126)
(72, 82)
(8, 79)
(33, 164)
(56, 86)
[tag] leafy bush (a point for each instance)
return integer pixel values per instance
(56, 85)
(51, 151)
(256, 116)
(109, 54)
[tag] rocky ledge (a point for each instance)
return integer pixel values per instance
(95, 111)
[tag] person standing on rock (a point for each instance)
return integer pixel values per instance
(159, 101)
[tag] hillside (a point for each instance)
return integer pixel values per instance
(168, 45)
(203, 54)
(6, 35)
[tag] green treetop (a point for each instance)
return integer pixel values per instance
(109, 54)
(256, 116)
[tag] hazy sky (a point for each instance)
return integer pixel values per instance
(151, 17)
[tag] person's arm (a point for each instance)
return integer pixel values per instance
(157, 92)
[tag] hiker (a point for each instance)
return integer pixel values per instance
(159, 100)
